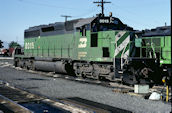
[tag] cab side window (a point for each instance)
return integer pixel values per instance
(83, 31)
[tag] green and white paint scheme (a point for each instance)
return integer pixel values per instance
(156, 47)
(78, 47)
(122, 44)
(117, 44)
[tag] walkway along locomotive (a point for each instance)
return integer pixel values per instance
(100, 47)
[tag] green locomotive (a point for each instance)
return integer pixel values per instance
(156, 44)
(98, 47)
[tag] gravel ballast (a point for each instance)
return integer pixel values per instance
(60, 88)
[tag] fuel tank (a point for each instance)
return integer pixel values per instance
(58, 67)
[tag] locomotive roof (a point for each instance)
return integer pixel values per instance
(69, 26)
(74, 23)
(85, 21)
(43, 26)
(159, 31)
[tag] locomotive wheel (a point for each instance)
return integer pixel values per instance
(24, 65)
(16, 63)
(28, 65)
(129, 79)
(137, 76)
(95, 75)
(78, 74)
(20, 63)
(32, 66)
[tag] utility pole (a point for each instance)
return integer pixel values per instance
(102, 5)
(66, 17)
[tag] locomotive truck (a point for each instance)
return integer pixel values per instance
(100, 47)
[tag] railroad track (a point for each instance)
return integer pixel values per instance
(22, 96)
(28, 100)
(21, 101)
(117, 85)
(79, 102)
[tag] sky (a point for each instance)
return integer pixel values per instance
(18, 15)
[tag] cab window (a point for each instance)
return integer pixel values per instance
(83, 31)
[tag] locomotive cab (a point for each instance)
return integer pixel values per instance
(102, 41)
(97, 35)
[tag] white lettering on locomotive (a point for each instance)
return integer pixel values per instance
(82, 43)
(104, 20)
(81, 54)
(29, 45)
(112, 20)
